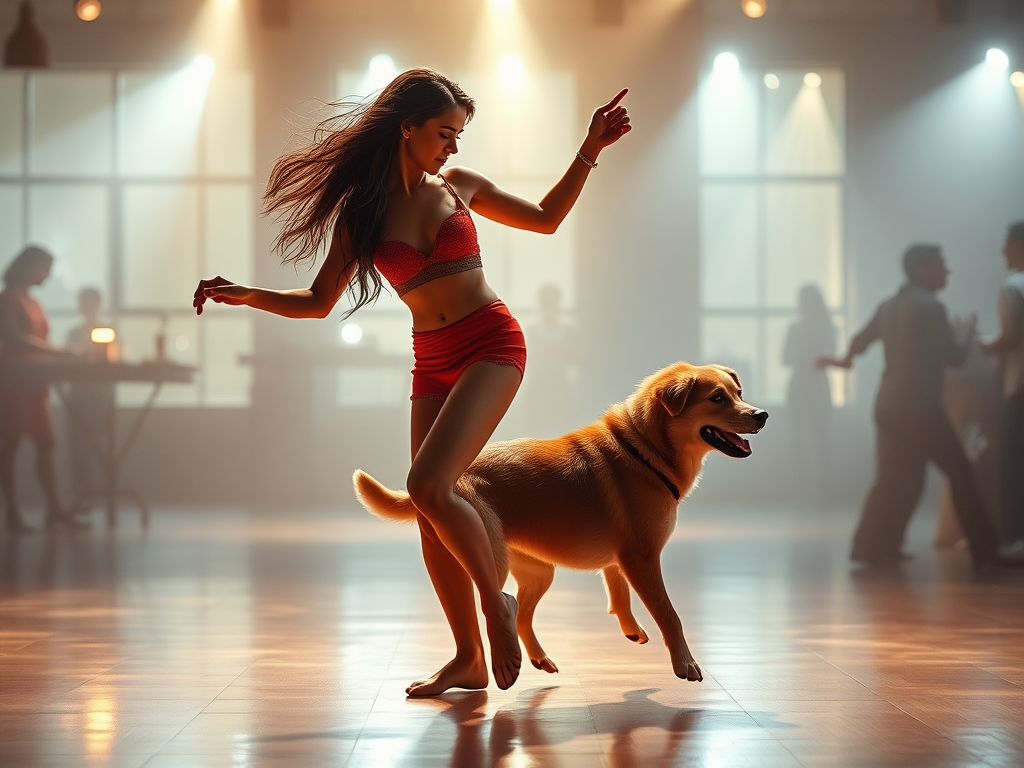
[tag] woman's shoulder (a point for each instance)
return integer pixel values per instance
(459, 174)
(464, 180)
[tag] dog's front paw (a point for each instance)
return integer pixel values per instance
(545, 665)
(688, 670)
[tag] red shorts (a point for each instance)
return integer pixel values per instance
(488, 334)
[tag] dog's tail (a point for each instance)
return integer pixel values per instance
(382, 501)
(396, 505)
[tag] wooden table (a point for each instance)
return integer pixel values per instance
(112, 454)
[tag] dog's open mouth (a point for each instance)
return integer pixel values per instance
(728, 443)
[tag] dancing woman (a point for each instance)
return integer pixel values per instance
(371, 183)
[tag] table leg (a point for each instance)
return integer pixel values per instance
(113, 458)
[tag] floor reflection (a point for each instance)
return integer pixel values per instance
(223, 637)
(537, 732)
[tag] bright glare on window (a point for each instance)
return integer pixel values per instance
(351, 333)
(382, 70)
(512, 71)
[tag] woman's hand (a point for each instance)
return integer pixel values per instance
(221, 291)
(609, 123)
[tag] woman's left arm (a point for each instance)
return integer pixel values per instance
(609, 124)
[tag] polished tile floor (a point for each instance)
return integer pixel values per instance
(231, 638)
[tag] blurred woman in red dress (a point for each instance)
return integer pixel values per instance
(24, 405)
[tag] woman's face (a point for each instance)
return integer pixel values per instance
(1013, 250)
(431, 144)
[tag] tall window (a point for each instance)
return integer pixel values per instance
(500, 142)
(772, 163)
(138, 183)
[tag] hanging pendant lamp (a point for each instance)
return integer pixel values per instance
(26, 46)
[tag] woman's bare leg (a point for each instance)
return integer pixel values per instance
(453, 586)
(8, 454)
(46, 471)
(460, 430)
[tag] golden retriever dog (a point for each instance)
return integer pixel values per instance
(603, 497)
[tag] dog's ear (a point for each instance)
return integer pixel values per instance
(674, 396)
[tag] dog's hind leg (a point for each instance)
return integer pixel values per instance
(534, 577)
(618, 604)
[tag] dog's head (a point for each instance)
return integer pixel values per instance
(705, 404)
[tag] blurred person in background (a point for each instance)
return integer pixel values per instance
(1009, 346)
(912, 426)
(550, 401)
(808, 396)
(24, 404)
(89, 403)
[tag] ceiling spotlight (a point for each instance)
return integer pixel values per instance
(997, 59)
(88, 10)
(771, 81)
(26, 46)
(812, 80)
(755, 9)
(203, 65)
(1017, 79)
(726, 63)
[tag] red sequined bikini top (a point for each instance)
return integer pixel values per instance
(456, 249)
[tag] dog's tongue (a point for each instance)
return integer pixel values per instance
(736, 440)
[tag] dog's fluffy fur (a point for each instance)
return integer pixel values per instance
(600, 498)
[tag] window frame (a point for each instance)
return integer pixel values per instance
(116, 183)
(762, 312)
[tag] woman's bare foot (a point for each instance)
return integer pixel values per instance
(458, 673)
(506, 656)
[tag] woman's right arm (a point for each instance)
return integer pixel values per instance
(14, 337)
(316, 301)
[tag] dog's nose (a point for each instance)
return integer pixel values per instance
(760, 416)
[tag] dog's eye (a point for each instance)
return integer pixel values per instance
(718, 398)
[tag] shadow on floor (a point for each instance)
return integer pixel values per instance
(464, 737)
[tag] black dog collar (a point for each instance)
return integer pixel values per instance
(643, 460)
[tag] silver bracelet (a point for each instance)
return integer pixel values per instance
(586, 160)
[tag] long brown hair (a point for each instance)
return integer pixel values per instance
(340, 179)
(19, 269)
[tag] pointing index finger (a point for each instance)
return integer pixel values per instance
(612, 104)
